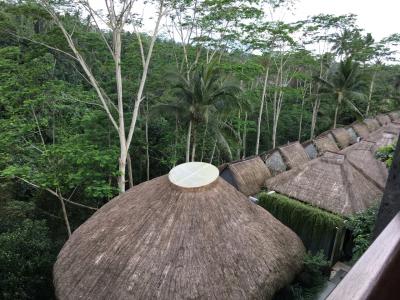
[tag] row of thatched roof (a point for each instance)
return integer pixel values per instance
(337, 171)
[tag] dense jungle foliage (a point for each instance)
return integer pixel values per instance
(92, 103)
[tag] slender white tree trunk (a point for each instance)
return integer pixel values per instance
(244, 135)
(260, 112)
(130, 170)
(65, 215)
(189, 133)
(370, 92)
(338, 103)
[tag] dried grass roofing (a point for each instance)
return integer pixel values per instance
(294, 154)
(342, 137)
(361, 129)
(330, 182)
(324, 144)
(249, 175)
(159, 241)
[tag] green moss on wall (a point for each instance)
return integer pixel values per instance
(317, 228)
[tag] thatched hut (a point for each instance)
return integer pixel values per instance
(274, 161)
(310, 149)
(342, 137)
(383, 119)
(372, 124)
(330, 182)
(293, 154)
(248, 175)
(352, 134)
(362, 157)
(394, 116)
(361, 130)
(324, 144)
(178, 237)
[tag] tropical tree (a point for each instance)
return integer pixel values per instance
(343, 82)
(202, 99)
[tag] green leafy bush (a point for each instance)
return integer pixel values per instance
(26, 254)
(310, 281)
(316, 228)
(361, 226)
(385, 154)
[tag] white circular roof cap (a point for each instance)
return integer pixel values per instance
(193, 174)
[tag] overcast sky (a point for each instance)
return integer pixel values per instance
(380, 18)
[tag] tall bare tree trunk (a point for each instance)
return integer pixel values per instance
(260, 112)
(213, 151)
(188, 141)
(244, 135)
(338, 103)
(176, 140)
(146, 126)
(130, 170)
(65, 215)
(194, 144)
(370, 92)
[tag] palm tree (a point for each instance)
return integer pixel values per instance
(203, 97)
(344, 82)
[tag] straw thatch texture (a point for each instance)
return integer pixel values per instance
(361, 129)
(310, 149)
(362, 157)
(352, 134)
(293, 154)
(324, 144)
(275, 163)
(329, 182)
(383, 119)
(159, 241)
(384, 136)
(372, 124)
(342, 137)
(394, 115)
(249, 175)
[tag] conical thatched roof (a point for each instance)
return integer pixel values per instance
(330, 182)
(372, 124)
(310, 149)
(274, 162)
(342, 137)
(294, 154)
(362, 157)
(249, 175)
(394, 115)
(324, 144)
(162, 241)
(383, 119)
(385, 135)
(352, 134)
(361, 129)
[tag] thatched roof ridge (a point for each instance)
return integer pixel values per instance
(394, 115)
(294, 154)
(249, 175)
(362, 157)
(342, 137)
(385, 135)
(372, 124)
(324, 144)
(329, 182)
(275, 162)
(383, 119)
(310, 149)
(352, 134)
(156, 241)
(361, 129)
